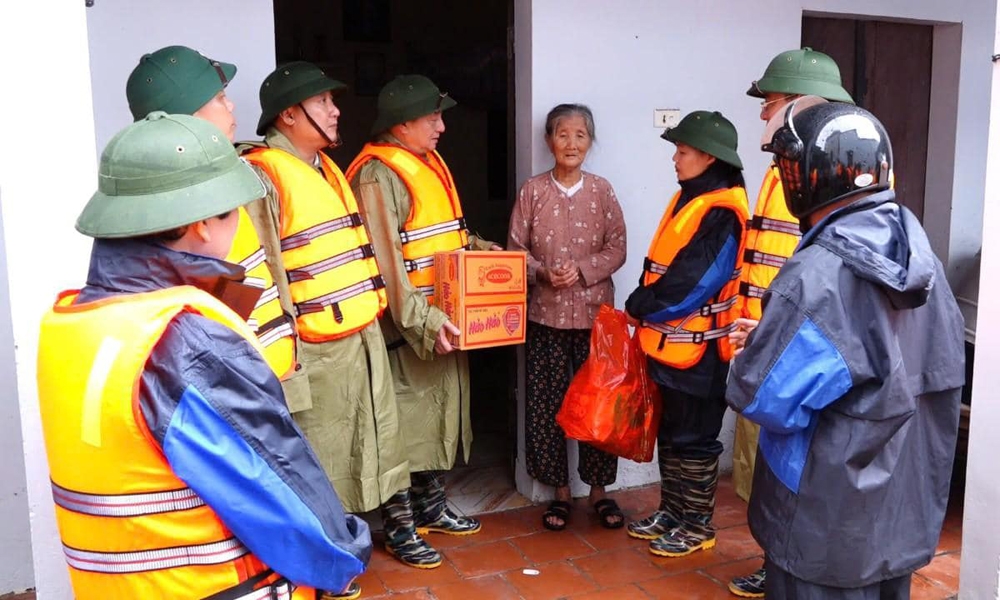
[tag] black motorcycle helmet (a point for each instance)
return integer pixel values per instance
(829, 152)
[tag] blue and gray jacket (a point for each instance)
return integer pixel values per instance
(218, 412)
(854, 375)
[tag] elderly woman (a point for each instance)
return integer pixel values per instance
(687, 302)
(570, 224)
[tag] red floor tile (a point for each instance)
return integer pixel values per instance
(548, 546)
(554, 580)
(483, 588)
(370, 584)
(601, 539)
(689, 586)
(617, 567)
(736, 543)
(624, 592)
(398, 577)
(411, 595)
(701, 559)
(922, 588)
(943, 570)
(487, 559)
(950, 541)
(724, 573)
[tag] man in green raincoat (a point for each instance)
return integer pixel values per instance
(343, 396)
(412, 209)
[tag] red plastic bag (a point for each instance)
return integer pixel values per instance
(612, 404)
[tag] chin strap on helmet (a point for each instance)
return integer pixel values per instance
(332, 143)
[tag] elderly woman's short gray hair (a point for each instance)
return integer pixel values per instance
(562, 111)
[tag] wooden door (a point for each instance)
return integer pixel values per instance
(886, 67)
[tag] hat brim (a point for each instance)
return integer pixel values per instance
(298, 94)
(726, 155)
(384, 121)
(107, 216)
(754, 91)
(800, 87)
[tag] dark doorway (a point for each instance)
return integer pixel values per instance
(463, 47)
(886, 67)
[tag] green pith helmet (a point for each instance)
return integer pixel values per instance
(803, 72)
(175, 79)
(709, 132)
(290, 84)
(163, 172)
(408, 97)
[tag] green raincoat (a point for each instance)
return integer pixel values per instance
(432, 390)
(351, 420)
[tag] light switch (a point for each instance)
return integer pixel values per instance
(666, 117)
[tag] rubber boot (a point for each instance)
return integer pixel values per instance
(664, 519)
(749, 586)
(699, 478)
(401, 537)
(430, 507)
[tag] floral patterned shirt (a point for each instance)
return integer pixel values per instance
(553, 228)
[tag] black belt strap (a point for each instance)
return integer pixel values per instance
(241, 589)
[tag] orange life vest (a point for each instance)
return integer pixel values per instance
(130, 527)
(435, 223)
(681, 343)
(274, 329)
(772, 236)
(334, 279)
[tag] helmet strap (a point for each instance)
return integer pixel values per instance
(332, 143)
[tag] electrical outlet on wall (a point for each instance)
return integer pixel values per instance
(666, 117)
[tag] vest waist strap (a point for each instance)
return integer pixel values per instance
(431, 230)
(320, 303)
(762, 223)
(303, 237)
(311, 271)
(757, 257)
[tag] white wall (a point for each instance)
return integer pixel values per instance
(626, 58)
(43, 48)
(236, 31)
(41, 199)
(981, 527)
(15, 570)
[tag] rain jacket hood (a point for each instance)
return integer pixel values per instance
(881, 242)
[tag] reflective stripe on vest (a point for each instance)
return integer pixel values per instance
(772, 236)
(216, 553)
(125, 505)
(130, 528)
(334, 280)
(246, 251)
(681, 343)
(756, 257)
(435, 222)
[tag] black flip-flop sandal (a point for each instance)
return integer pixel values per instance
(559, 510)
(607, 509)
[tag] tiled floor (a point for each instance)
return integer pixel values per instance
(515, 558)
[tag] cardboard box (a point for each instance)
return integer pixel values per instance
(485, 294)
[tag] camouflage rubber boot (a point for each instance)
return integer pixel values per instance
(401, 538)
(749, 586)
(664, 518)
(430, 508)
(699, 478)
